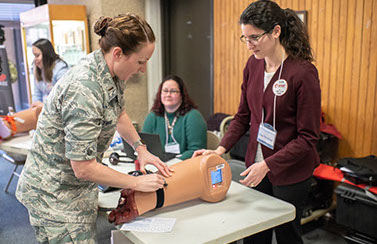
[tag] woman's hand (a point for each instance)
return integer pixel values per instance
(150, 182)
(202, 152)
(255, 174)
(219, 151)
(37, 104)
(146, 157)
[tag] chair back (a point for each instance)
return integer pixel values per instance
(237, 167)
(213, 140)
(225, 124)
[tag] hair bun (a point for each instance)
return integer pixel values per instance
(101, 25)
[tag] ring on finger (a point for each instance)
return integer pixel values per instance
(252, 185)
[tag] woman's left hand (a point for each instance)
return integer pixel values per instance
(145, 157)
(255, 174)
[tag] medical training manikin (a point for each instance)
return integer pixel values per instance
(205, 177)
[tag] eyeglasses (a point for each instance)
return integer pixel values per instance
(172, 91)
(254, 39)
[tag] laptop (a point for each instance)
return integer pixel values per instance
(128, 150)
(154, 146)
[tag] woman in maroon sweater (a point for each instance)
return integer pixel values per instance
(281, 107)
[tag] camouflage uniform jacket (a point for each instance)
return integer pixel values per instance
(77, 122)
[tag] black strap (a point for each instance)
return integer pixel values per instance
(160, 198)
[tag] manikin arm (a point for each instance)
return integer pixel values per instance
(205, 177)
(22, 121)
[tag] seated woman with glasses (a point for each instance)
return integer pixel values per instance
(174, 117)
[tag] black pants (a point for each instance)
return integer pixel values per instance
(290, 232)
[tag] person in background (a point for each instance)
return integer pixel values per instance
(175, 118)
(59, 182)
(281, 107)
(48, 69)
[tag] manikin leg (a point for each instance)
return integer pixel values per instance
(205, 177)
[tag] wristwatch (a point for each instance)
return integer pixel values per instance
(138, 143)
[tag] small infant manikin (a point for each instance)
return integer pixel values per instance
(205, 177)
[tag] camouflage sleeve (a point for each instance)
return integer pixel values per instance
(82, 115)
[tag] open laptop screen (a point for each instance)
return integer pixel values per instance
(154, 146)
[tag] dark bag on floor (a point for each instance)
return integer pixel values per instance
(360, 170)
(327, 148)
(320, 196)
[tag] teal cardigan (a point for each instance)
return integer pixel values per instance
(190, 131)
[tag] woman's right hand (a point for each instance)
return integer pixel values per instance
(149, 182)
(220, 150)
(203, 152)
(37, 104)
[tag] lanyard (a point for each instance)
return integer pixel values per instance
(274, 113)
(169, 128)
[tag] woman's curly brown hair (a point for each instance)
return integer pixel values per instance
(186, 105)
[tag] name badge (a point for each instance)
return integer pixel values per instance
(267, 135)
(172, 147)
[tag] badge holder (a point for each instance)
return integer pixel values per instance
(267, 135)
(172, 147)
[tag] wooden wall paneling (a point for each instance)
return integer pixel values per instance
(321, 49)
(218, 54)
(226, 65)
(327, 31)
(241, 50)
(308, 7)
(340, 75)
(345, 143)
(288, 4)
(217, 57)
(301, 5)
(220, 22)
(362, 135)
(355, 76)
(237, 46)
(221, 54)
(314, 28)
(282, 3)
(230, 56)
(374, 140)
(294, 5)
(333, 67)
(371, 104)
(216, 42)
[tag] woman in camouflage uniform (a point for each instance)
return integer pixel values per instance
(59, 181)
